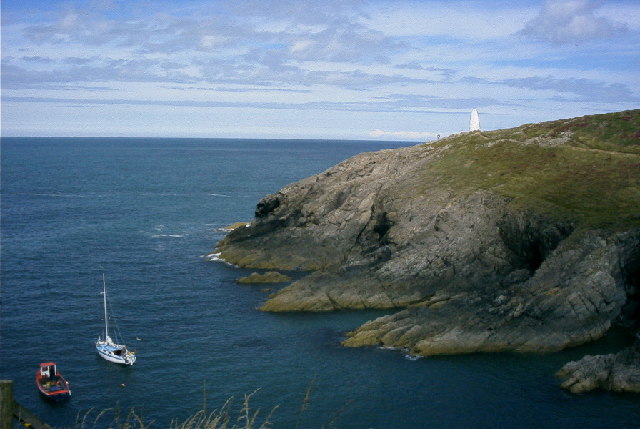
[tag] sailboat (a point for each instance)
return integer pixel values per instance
(107, 348)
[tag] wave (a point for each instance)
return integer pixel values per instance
(61, 195)
(219, 195)
(404, 350)
(412, 357)
(215, 257)
(389, 348)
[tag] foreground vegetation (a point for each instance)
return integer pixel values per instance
(225, 417)
(221, 418)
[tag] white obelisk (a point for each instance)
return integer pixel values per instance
(474, 122)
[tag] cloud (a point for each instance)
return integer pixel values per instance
(439, 103)
(264, 43)
(376, 65)
(571, 21)
(449, 21)
(294, 30)
(16, 76)
(337, 106)
(585, 89)
(306, 13)
(344, 42)
(408, 135)
(36, 59)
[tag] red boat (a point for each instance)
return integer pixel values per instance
(51, 383)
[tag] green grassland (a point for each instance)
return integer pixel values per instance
(586, 170)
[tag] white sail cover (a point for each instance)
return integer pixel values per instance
(474, 122)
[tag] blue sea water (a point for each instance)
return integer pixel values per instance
(145, 212)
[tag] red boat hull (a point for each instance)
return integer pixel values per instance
(51, 384)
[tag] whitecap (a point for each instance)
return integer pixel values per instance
(229, 228)
(412, 357)
(215, 257)
(61, 195)
(213, 194)
(404, 350)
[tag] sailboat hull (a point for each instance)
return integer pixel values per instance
(113, 353)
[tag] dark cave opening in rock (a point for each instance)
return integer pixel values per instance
(531, 240)
(382, 226)
(533, 256)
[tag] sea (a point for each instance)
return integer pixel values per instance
(146, 212)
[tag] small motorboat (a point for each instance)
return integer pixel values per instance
(51, 383)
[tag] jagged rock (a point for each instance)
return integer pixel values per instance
(523, 240)
(572, 298)
(618, 372)
(268, 277)
(235, 225)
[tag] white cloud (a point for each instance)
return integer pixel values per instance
(407, 135)
(624, 13)
(571, 21)
(581, 88)
(460, 20)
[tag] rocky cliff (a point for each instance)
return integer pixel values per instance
(525, 239)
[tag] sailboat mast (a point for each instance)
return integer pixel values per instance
(106, 319)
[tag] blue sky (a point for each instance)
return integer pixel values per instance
(334, 69)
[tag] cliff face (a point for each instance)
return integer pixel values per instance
(525, 239)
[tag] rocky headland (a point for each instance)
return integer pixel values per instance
(525, 239)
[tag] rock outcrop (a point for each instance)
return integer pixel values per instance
(514, 240)
(618, 372)
(268, 277)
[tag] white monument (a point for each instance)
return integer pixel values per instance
(474, 122)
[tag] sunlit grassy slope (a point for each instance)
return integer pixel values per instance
(585, 169)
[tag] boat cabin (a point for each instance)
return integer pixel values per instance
(48, 370)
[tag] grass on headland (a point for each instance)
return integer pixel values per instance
(586, 170)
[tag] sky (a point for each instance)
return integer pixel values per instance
(297, 69)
